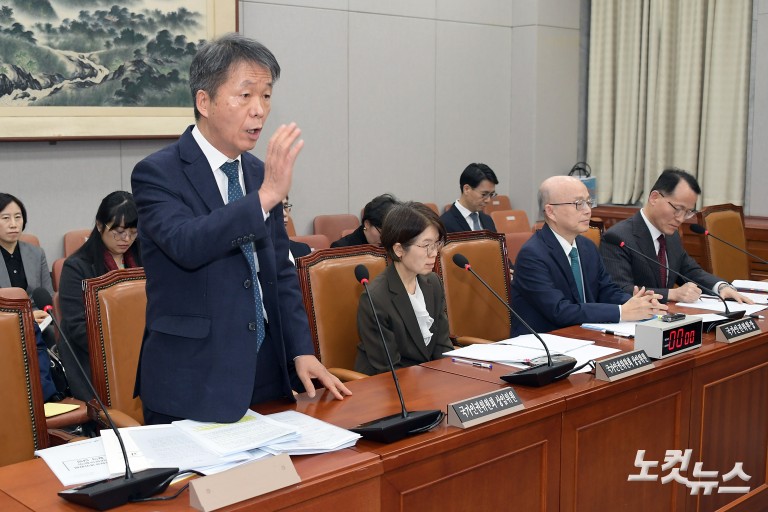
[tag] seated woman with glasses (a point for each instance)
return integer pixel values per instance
(408, 296)
(111, 245)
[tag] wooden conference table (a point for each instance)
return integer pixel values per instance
(572, 448)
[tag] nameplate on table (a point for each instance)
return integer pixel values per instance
(737, 330)
(623, 365)
(240, 483)
(481, 408)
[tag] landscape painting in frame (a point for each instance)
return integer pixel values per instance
(81, 69)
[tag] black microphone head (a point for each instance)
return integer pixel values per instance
(41, 298)
(698, 229)
(461, 261)
(361, 273)
(612, 238)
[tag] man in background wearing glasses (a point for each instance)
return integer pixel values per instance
(654, 232)
(560, 279)
(478, 186)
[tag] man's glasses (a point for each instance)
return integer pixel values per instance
(487, 195)
(580, 204)
(434, 247)
(287, 207)
(680, 211)
(124, 234)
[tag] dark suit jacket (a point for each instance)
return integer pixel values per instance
(299, 249)
(199, 357)
(544, 291)
(628, 269)
(35, 268)
(455, 222)
(399, 324)
(357, 237)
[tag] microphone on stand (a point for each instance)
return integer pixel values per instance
(614, 239)
(395, 427)
(546, 369)
(701, 230)
(112, 492)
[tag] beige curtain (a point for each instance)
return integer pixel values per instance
(668, 87)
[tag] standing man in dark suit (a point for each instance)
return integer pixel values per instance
(478, 186)
(225, 325)
(655, 227)
(560, 279)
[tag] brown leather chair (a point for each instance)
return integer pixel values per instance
(514, 242)
(115, 308)
(331, 296)
(434, 207)
(30, 239)
(75, 239)
(725, 221)
(24, 428)
(511, 221)
(315, 242)
(474, 314)
(332, 225)
(56, 269)
(500, 202)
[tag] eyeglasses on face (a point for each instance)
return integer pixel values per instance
(124, 234)
(487, 195)
(680, 211)
(580, 204)
(432, 248)
(287, 207)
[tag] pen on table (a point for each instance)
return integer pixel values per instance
(477, 364)
(759, 317)
(616, 333)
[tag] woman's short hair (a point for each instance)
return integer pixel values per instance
(404, 222)
(6, 199)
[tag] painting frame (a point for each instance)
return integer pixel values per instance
(92, 123)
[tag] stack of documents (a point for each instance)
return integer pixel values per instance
(521, 350)
(206, 447)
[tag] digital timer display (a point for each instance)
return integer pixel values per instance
(680, 338)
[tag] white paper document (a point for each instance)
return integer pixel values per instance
(744, 284)
(251, 431)
(155, 446)
(315, 436)
(715, 304)
(77, 463)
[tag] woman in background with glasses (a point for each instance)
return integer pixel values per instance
(408, 295)
(111, 245)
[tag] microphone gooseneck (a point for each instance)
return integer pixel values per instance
(701, 230)
(538, 375)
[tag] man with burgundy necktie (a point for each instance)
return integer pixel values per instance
(653, 231)
(225, 323)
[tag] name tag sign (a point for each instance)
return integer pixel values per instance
(623, 365)
(737, 330)
(482, 408)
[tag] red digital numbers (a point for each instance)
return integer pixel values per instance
(679, 338)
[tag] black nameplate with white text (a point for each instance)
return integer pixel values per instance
(482, 408)
(623, 365)
(737, 330)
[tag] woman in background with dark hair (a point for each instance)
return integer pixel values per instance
(111, 245)
(408, 296)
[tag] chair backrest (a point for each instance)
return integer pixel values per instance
(514, 242)
(75, 239)
(115, 309)
(315, 242)
(472, 309)
(500, 202)
(433, 207)
(511, 221)
(56, 268)
(594, 234)
(332, 225)
(725, 221)
(23, 428)
(30, 239)
(331, 295)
